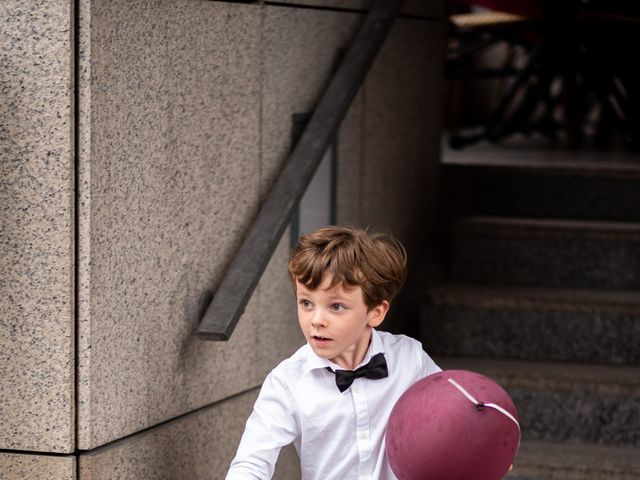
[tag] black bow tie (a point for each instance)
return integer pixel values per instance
(375, 369)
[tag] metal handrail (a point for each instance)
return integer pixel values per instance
(245, 270)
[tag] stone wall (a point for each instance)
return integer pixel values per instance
(36, 227)
(122, 211)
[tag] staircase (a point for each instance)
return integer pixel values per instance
(543, 296)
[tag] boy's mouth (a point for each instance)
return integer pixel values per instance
(320, 338)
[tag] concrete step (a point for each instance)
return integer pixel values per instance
(532, 193)
(567, 403)
(533, 324)
(545, 252)
(544, 187)
(561, 461)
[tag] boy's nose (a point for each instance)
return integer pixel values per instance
(318, 319)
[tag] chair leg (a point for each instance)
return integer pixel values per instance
(495, 125)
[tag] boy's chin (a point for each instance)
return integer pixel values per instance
(321, 349)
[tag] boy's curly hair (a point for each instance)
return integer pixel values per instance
(353, 257)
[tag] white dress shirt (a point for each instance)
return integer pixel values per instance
(338, 436)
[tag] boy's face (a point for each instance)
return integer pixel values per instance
(336, 322)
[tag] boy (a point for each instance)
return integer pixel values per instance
(333, 397)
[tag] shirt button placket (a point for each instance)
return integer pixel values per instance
(362, 429)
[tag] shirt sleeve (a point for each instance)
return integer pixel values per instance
(271, 426)
(429, 367)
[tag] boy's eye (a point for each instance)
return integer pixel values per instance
(337, 307)
(305, 303)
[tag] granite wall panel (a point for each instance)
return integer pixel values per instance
(301, 51)
(425, 8)
(401, 131)
(36, 228)
(197, 446)
(176, 151)
(288, 466)
(169, 178)
(350, 164)
(20, 466)
(279, 334)
(400, 153)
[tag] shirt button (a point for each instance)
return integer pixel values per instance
(363, 434)
(357, 389)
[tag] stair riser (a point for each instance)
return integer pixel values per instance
(500, 192)
(578, 416)
(553, 261)
(541, 473)
(534, 334)
(549, 461)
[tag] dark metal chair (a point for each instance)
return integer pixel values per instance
(575, 81)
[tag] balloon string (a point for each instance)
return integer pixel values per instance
(480, 405)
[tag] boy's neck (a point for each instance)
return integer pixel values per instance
(350, 360)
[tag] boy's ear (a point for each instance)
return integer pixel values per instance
(377, 313)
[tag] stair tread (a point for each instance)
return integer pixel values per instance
(482, 296)
(552, 375)
(601, 163)
(552, 224)
(577, 459)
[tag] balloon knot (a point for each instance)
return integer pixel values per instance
(479, 406)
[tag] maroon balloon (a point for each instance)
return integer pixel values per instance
(437, 432)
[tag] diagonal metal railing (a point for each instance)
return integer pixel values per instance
(258, 246)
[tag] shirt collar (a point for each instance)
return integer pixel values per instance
(315, 362)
